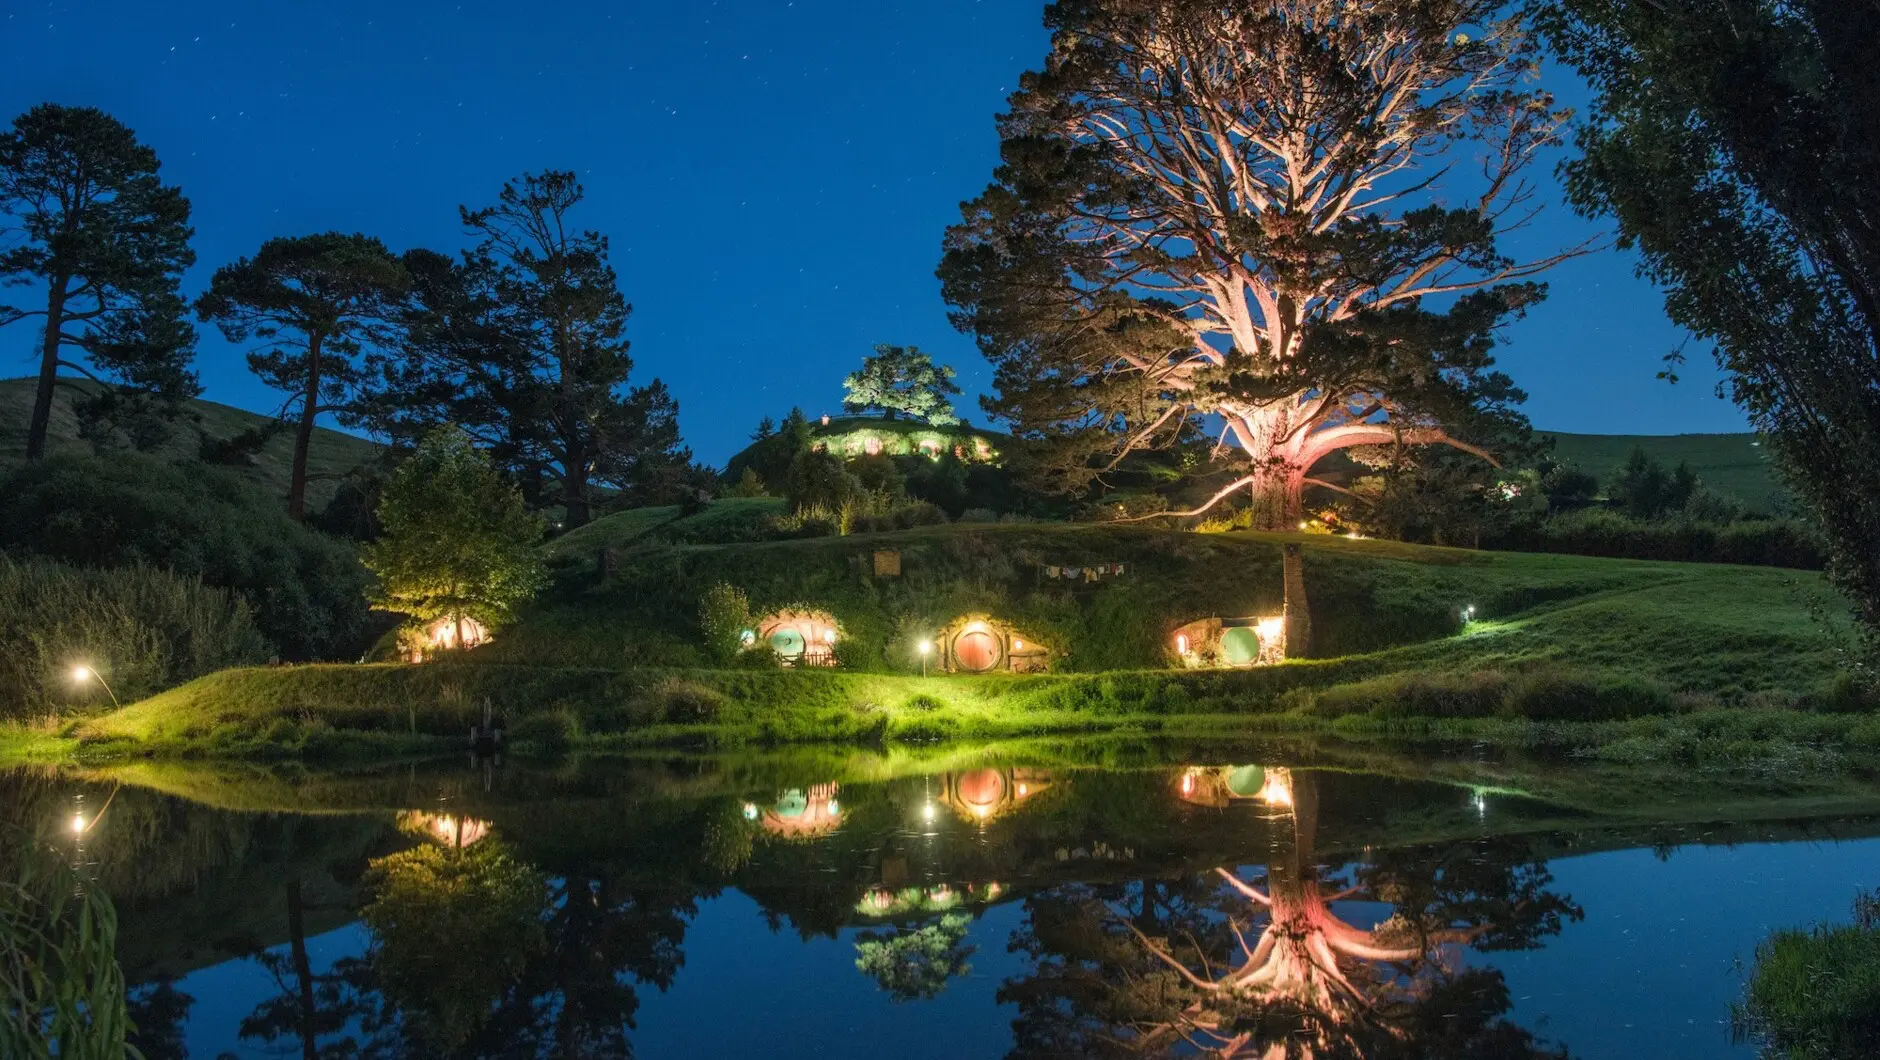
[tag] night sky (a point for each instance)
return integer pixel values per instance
(775, 174)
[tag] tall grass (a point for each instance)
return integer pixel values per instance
(61, 990)
(143, 630)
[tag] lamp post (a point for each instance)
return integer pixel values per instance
(926, 649)
(81, 671)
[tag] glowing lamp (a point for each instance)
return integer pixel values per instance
(975, 627)
(825, 422)
(79, 673)
(1017, 645)
(829, 636)
(750, 811)
(1181, 643)
(926, 647)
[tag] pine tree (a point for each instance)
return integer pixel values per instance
(322, 307)
(107, 242)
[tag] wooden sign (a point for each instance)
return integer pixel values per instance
(887, 563)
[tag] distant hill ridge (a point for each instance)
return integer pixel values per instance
(331, 455)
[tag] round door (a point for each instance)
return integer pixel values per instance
(1245, 782)
(977, 652)
(1240, 646)
(788, 642)
(982, 789)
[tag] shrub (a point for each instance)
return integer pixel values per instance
(677, 700)
(922, 702)
(547, 730)
(1815, 995)
(305, 590)
(145, 630)
(724, 613)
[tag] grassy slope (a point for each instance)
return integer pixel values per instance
(332, 453)
(1736, 464)
(1563, 639)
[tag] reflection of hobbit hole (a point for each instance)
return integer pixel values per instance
(1218, 786)
(983, 646)
(987, 793)
(800, 638)
(799, 814)
(1231, 642)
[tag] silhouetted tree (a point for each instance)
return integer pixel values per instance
(96, 229)
(1737, 143)
(320, 307)
(522, 344)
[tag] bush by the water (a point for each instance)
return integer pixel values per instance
(1815, 995)
(306, 590)
(144, 630)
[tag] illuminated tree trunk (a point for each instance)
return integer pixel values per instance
(1298, 617)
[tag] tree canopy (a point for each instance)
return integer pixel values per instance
(1224, 217)
(901, 380)
(93, 228)
(317, 306)
(457, 542)
(522, 344)
(1737, 144)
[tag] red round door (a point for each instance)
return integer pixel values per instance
(976, 652)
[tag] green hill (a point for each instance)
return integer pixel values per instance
(1734, 464)
(331, 456)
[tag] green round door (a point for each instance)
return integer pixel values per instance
(1246, 781)
(1240, 646)
(788, 642)
(792, 804)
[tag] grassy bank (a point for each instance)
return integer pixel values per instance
(1625, 660)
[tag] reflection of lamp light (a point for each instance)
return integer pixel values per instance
(750, 811)
(1024, 790)
(829, 636)
(835, 808)
(748, 637)
(1277, 791)
(927, 812)
(1188, 783)
(78, 824)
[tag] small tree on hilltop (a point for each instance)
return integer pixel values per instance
(902, 380)
(457, 541)
(104, 242)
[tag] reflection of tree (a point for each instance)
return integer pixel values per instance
(1268, 966)
(158, 1012)
(914, 963)
(475, 953)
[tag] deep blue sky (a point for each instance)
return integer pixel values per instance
(775, 174)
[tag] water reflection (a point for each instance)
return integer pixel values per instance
(1250, 910)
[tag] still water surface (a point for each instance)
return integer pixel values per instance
(793, 910)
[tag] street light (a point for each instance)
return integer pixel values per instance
(81, 671)
(926, 649)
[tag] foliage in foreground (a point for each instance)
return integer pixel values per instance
(1815, 995)
(144, 630)
(61, 991)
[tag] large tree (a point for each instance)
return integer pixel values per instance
(1254, 218)
(320, 308)
(1737, 143)
(104, 241)
(522, 344)
(457, 543)
(901, 380)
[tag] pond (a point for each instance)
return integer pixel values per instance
(981, 905)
